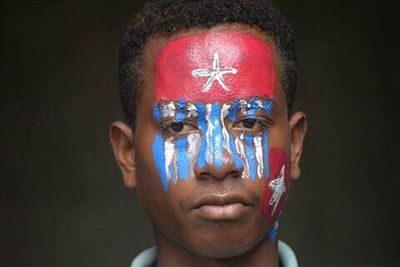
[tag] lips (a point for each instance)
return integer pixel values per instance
(222, 207)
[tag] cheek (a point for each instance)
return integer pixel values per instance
(174, 157)
(253, 153)
(277, 185)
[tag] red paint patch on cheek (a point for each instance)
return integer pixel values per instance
(215, 67)
(277, 185)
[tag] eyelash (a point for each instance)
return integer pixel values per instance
(261, 121)
(168, 124)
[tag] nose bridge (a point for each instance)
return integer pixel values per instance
(216, 142)
(218, 156)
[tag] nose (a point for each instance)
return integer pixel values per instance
(217, 156)
(231, 167)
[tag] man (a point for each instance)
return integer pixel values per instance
(210, 143)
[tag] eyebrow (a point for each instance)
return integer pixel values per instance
(180, 109)
(254, 103)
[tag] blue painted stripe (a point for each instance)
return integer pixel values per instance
(273, 232)
(250, 156)
(254, 108)
(159, 159)
(217, 138)
(266, 154)
(268, 105)
(156, 112)
(238, 161)
(233, 110)
(202, 124)
(181, 110)
(182, 158)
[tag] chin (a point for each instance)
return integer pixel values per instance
(221, 251)
(220, 245)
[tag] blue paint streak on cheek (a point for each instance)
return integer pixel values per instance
(181, 113)
(233, 111)
(273, 232)
(156, 113)
(250, 156)
(182, 158)
(266, 154)
(217, 138)
(238, 162)
(159, 159)
(202, 124)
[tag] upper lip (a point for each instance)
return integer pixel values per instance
(221, 199)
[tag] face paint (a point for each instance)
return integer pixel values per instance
(207, 142)
(208, 78)
(169, 164)
(273, 232)
(215, 135)
(258, 151)
(215, 67)
(250, 156)
(277, 185)
(159, 159)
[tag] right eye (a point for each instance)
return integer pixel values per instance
(179, 127)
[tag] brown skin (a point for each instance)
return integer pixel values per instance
(182, 238)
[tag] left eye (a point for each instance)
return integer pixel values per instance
(177, 126)
(249, 123)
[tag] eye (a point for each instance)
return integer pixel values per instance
(179, 127)
(249, 124)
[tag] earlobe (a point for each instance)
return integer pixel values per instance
(298, 130)
(121, 138)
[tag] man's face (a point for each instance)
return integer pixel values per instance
(212, 141)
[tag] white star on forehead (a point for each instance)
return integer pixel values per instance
(215, 74)
(278, 187)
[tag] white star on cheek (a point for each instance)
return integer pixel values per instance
(216, 74)
(278, 187)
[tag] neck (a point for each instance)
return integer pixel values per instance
(264, 253)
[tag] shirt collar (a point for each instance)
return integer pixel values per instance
(148, 257)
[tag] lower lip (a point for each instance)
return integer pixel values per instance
(230, 211)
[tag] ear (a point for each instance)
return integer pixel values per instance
(298, 130)
(121, 138)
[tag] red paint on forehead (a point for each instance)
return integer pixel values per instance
(246, 66)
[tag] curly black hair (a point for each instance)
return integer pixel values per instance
(168, 17)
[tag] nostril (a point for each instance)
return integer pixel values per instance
(204, 175)
(234, 174)
(218, 175)
(228, 170)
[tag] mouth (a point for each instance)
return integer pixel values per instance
(222, 207)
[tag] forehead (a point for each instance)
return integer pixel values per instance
(215, 66)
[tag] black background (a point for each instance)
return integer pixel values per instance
(62, 198)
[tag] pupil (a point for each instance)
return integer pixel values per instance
(249, 123)
(177, 126)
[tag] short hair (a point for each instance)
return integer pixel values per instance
(165, 18)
